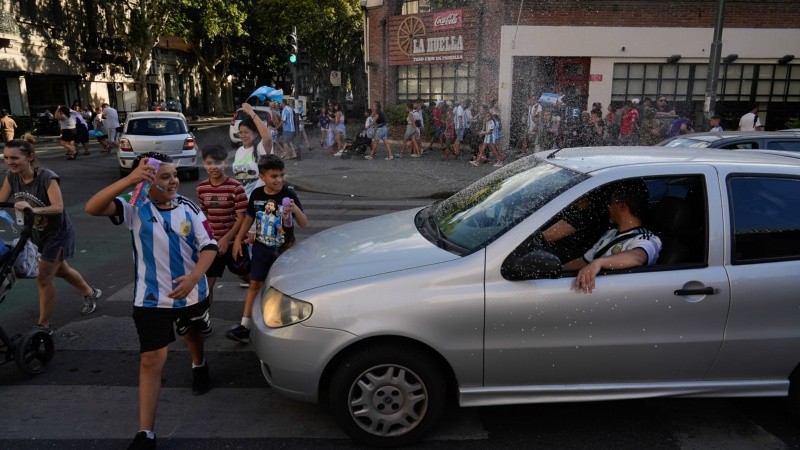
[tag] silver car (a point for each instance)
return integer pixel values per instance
(158, 131)
(388, 319)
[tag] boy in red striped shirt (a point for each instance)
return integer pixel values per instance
(223, 202)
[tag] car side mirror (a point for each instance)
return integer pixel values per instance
(530, 266)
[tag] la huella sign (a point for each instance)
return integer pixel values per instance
(431, 37)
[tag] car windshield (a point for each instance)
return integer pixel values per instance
(155, 127)
(482, 212)
(686, 142)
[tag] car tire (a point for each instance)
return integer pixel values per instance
(123, 172)
(387, 395)
(194, 174)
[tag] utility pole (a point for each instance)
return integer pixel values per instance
(710, 104)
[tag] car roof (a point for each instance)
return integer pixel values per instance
(155, 115)
(710, 136)
(591, 159)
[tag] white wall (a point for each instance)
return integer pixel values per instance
(608, 45)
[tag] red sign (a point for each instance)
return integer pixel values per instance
(595, 77)
(447, 20)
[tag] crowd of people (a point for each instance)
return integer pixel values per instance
(463, 128)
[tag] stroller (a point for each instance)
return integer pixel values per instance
(32, 351)
(359, 147)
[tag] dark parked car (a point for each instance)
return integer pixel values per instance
(738, 140)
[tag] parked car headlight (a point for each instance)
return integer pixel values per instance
(280, 310)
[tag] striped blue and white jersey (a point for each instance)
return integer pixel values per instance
(166, 245)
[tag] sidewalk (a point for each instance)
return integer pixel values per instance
(424, 177)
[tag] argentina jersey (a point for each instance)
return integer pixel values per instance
(166, 246)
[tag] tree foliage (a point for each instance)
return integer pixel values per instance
(142, 22)
(330, 32)
(213, 28)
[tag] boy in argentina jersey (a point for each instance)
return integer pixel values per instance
(173, 246)
(274, 233)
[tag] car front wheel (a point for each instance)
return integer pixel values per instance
(387, 395)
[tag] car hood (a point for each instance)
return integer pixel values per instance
(355, 250)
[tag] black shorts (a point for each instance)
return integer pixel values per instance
(263, 257)
(240, 266)
(155, 325)
(68, 134)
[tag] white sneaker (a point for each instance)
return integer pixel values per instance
(337, 154)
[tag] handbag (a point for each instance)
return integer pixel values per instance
(27, 263)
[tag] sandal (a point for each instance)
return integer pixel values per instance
(72, 156)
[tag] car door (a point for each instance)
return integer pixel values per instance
(762, 339)
(645, 325)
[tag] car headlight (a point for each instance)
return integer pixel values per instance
(280, 310)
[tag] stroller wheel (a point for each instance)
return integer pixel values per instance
(34, 351)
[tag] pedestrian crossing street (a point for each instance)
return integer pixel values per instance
(87, 398)
(93, 377)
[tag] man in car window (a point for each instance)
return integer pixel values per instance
(627, 245)
(578, 226)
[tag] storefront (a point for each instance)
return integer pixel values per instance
(609, 53)
(433, 56)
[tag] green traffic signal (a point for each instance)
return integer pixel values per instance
(292, 58)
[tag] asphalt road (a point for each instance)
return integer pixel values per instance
(87, 398)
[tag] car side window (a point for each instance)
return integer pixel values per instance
(765, 212)
(792, 146)
(677, 213)
(748, 145)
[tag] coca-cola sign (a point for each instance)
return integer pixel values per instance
(447, 20)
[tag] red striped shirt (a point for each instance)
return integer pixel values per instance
(221, 203)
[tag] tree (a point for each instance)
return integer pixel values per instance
(213, 28)
(142, 22)
(329, 31)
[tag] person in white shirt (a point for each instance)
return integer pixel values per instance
(111, 123)
(245, 161)
(750, 121)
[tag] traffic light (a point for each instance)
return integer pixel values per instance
(293, 47)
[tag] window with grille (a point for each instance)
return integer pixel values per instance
(435, 81)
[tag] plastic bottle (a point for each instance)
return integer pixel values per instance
(141, 190)
(287, 214)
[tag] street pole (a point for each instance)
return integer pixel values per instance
(710, 104)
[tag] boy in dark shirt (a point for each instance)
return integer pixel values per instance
(273, 234)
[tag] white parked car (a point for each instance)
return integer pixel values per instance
(390, 318)
(158, 131)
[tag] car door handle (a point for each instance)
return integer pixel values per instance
(699, 291)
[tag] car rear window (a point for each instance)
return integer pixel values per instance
(792, 146)
(155, 127)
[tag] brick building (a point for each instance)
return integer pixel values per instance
(604, 51)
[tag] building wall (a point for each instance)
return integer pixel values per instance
(606, 32)
(665, 13)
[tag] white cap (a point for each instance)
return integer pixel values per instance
(635, 101)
